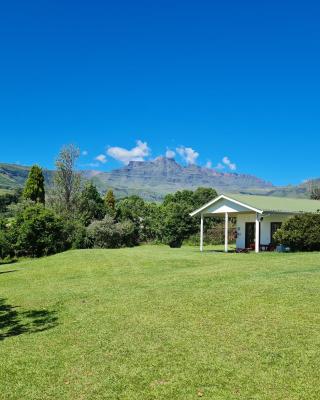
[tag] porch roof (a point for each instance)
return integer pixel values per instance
(265, 204)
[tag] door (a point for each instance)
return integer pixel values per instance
(250, 234)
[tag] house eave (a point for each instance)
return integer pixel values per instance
(222, 196)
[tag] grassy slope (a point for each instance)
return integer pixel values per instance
(155, 323)
(5, 191)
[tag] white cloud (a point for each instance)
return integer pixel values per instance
(219, 166)
(232, 166)
(101, 158)
(208, 164)
(84, 152)
(92, 165)
(137, 153)
(170, 153)
(188, 154)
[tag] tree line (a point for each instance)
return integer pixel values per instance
(36, 221)
(73, 214)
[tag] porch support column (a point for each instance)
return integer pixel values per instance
(201, 233)
(226, 220)
(257, 244)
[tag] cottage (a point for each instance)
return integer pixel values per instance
(258, 217)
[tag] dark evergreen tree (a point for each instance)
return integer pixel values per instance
(91, 205)
(110, 200)
(34, 187)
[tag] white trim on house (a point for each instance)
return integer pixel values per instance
(223, 196)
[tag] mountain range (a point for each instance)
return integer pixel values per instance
(153, 179)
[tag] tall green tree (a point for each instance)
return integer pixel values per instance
(34, 187)
(67, 181)
(91, 205)
(175, 223)
(203, 195)
(110, 201)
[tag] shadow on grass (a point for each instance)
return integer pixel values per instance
(8, 261)
(14, 322)
(216, 251)
(8, 272)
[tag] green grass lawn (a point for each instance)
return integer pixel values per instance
(159, 323)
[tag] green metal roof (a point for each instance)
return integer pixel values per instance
(277, 204)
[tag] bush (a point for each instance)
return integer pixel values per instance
(128, 233)
(108, 234)
(75, 234)
(143, 215)
(6, 245)
(300, 233)
(8, 199)
(38, 232)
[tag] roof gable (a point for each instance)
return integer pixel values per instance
(222, 204)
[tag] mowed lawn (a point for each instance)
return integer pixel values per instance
(158, 323)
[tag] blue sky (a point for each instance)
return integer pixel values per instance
(233, 83)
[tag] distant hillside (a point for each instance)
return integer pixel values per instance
(13, 176)
(165, 175)
(153, 179)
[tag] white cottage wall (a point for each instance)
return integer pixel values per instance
(265, 227)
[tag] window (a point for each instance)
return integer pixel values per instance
(273, 229)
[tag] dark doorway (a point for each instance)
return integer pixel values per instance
(250, 234)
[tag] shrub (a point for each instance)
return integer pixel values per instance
(8, 199)
(300, 233)
(76, 235)
(111, 235)
(6, 245)
(38, 232)
(140, 213)
(128, 233)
